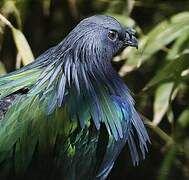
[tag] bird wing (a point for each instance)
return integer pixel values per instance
(37, 118)
(27, 122)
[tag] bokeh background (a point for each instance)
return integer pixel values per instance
(157, 73)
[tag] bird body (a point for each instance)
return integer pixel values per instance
(70, 112)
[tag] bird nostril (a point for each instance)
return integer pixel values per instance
(130, 31)
(128, 36)
(131, 36)
(130, 40)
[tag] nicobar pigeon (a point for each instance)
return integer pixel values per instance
(68, 114)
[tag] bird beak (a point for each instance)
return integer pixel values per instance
(130, 39)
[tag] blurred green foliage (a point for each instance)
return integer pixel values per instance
(157, 74)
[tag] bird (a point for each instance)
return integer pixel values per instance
(69, 114)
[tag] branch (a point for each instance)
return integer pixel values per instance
(168, 139)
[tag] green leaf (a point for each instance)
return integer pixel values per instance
(167, 163)
(171, 72)
(2, 68)
(162, 35)
(170, 115)
(183, 119)
(161, 102)
(180, 45)
(22, 46)
(20, 41)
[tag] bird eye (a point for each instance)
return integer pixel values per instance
(113, 35)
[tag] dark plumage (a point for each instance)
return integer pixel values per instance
(75, 113)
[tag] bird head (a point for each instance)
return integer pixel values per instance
(103, 36)
(88, 49)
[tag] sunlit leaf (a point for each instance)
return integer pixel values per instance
(10, 7)
(172, 71)
(22, 46)
(20, 41)
(5, 21)
(180, 44)
(183, 119)
(185, 72)
(46, 6)
(130, 5)
(2, 69)
(163, 34)
(170, 115)
(161, 102)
